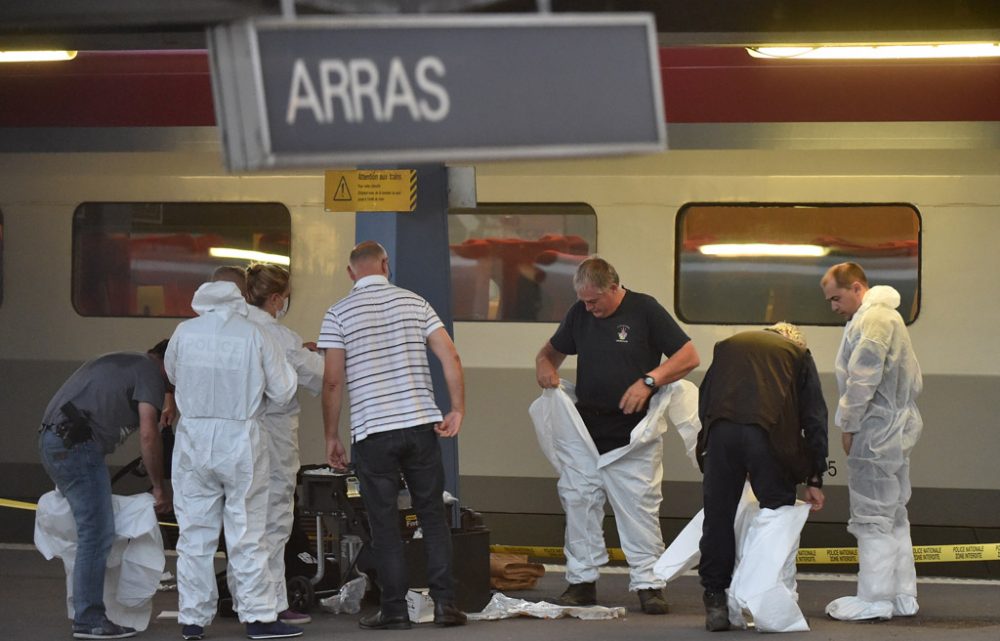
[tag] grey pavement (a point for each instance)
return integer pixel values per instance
(32, 606)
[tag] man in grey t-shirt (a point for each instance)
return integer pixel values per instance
(96, 409)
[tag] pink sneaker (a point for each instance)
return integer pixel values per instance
(294, 618)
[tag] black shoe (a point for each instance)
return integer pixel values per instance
(192, 632)
(716, 611)
(447, 615)
(579, 594)
(272, 630)
(652, 601)
(378, 621)
(106, 630)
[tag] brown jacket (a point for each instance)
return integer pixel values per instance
(757, 378)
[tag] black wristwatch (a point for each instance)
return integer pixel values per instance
(649, 382)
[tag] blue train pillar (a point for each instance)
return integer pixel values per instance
(417, 243)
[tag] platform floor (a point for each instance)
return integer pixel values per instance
(32, 607)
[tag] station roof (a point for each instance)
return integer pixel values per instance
(181, 24)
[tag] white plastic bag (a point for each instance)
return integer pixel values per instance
(348, 599)
(135, 563)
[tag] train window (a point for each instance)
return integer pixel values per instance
(515, 262)
(1, 258)
(147, 259)
(762, 263)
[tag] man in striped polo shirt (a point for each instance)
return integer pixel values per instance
(376, 341)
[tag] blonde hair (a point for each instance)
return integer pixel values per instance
(789, 331)
(264, 279)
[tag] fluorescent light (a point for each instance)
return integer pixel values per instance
(879, 52)
(762, 249)
(246, 254)
(36, 56)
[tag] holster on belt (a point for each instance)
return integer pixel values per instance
(78, 430)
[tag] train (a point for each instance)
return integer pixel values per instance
(105, 231)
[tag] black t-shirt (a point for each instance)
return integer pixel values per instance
(612, 353)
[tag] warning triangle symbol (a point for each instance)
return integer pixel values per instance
(342, 193)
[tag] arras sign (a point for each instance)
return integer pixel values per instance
(322, 91)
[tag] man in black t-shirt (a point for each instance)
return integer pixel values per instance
(619, 338)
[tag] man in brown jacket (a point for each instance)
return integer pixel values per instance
(763, 417)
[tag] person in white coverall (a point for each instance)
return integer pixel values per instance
(619, 338)
(223, 367)
(268, 290)
(878, 379)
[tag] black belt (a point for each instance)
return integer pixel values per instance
(62, 430)
(596, 411)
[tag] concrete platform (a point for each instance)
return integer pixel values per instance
(32, 607)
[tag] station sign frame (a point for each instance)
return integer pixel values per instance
(494, 87)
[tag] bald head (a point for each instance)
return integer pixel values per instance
(232, 274)
(368, 258)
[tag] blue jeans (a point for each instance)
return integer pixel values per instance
(379, 459)
(82, 477)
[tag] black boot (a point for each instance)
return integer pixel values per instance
(447, 615)
(652, 602)
(716, 611)
(579, 594)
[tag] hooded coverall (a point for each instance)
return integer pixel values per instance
(281, 432)
(878, 378)
(223, 366)
(628, 477)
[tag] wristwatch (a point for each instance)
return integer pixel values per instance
(649, 382)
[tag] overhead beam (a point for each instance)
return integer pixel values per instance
(181, 24)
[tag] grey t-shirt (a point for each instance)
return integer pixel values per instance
(108, 389)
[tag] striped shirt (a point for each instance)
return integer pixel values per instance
(383, 331)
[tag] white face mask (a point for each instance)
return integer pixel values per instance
(284, 309)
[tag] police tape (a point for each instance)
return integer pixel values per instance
(18, 505)
(806, 556)
(810, 556)
(22, 505)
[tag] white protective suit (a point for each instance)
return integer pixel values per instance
(223, 366)
(763, 580)
(628, 477)
(136, 561)
(878, 378)
(280, 423)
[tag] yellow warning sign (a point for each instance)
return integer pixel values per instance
(371, 190)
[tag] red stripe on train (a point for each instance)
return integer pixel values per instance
(700, 85)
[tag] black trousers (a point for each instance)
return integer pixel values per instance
(380, 458)
(735, 451)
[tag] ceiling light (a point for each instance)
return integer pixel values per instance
(246, 254)
(879, 52)
(763, 249)
(36, 56)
